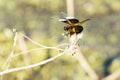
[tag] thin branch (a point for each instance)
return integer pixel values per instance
(74, 49)
(70, 7)
(33, 65)
(113, 76)
(79, 56)
(25, 52)
(8, 61)
(42, 46)
(23, 47)
(36, 43)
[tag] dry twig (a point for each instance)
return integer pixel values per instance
(113, 76)
(32, 65)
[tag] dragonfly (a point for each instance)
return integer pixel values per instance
(73, 27)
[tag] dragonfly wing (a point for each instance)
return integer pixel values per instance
(81, 22)
(72, 20)
(66, 19)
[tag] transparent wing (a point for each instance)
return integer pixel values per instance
(68, 19)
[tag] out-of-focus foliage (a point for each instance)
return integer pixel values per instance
(38, 19)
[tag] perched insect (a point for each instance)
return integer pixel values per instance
(73, 26)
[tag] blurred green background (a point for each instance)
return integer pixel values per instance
(38, 19)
